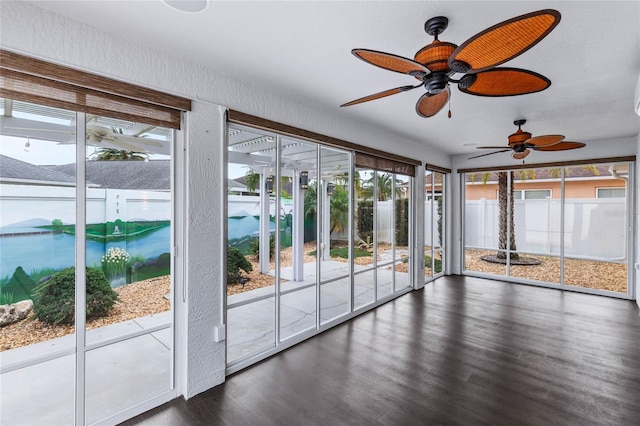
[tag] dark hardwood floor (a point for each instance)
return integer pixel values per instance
(463, 351)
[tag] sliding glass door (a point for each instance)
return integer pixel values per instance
(85, 243)
(434, 219)
(310, 240)
(564, 226)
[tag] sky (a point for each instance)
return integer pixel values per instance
(51, 153)
(45, 152)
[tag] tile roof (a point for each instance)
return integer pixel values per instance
(154, 174)
(12, 169)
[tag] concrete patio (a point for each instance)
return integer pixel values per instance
(134, 370)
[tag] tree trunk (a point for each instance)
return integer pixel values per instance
(505, 204)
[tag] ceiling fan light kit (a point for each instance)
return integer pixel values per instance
(436, 64)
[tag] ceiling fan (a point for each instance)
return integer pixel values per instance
(521, 143)
(95, 134)
(436, 64)
(98, 134)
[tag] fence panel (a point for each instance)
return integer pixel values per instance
(594, 228)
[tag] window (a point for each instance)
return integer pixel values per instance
(610, 193)
(531, 194)
(109, 216)
(67, 207)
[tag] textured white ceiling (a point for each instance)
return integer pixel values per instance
(303, 50)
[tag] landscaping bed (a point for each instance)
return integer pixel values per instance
(591, 274)
(137, 299)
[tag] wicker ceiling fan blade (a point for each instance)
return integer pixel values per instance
(491, 147)
(504, 41)
(490, 153)
(521, 155)
(561, 146)
(392, 62)
(505, 82)
(545, 140)
(430, 105)
(382, 94)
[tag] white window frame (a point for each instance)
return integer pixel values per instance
(610, 188)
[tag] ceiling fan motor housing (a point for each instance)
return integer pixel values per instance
(435, 56)
(436, 82)
(519, 138)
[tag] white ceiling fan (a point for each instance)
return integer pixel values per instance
(96, 135)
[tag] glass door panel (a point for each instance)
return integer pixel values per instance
(364, 261)
(384, 232)
(402, 240)
(429, 220)
(335, 251)
(595, 227)
(482, 225)
(128, 258)
(37, 256)
(251, 226)
(437, 204)
(537, 219)
(298, 245)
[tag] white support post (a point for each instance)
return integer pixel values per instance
(265, 233)
(326, 221)
(297, 236)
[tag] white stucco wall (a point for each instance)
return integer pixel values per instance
(27, 29)
(637, 228)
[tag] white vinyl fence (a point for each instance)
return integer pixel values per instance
(26, 205)
(431, 232)
(593, 228)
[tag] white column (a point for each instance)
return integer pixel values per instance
(297, 236)
(326, 221)
(265, 234)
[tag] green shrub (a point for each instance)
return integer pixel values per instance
(343, 252)
(254, 247)
(437, 263)
(365, 220)
(235, 262)
(54, 300)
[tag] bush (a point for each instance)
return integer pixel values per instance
(343, 252)
(54, 300)
(235, 262)
(437, 263)
(254, 247)
(365, 220)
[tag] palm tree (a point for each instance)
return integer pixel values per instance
(111, 154)
(310, 199)
(338, 206)
(385, 184)
(339, 209)
(505, 199)
(251, 181)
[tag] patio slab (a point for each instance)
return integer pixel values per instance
(117, 375)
